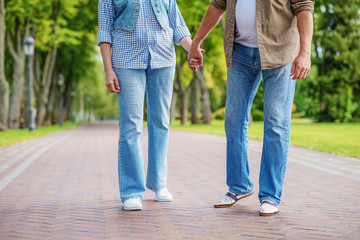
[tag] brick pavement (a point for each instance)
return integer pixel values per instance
(64, 186)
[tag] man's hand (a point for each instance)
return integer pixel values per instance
(112, 82)
(195, 57)
(211, 18)
(302, 63)
(301, 66)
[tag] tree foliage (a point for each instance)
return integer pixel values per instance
(65, 35)
(331, 91)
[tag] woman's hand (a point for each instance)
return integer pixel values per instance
(185, 42)
(112, 82)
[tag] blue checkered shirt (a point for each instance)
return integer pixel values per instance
(148, 44)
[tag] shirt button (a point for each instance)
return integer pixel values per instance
(231, 35)
(156, 5)
(158, 11)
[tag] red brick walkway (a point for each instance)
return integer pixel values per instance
(64, 186)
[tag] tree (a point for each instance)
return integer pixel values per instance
(18, 19)
(329, 94)
(182, 85)
(76, 59)
(4, 86)
(52, 29)
(199, 82)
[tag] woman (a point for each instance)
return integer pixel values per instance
(136, 39)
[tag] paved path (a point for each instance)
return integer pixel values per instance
(64, 186)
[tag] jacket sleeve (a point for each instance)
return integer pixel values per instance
(221, 4)
(302, 5)
(105, 18)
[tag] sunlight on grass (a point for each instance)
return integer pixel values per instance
(13, 136)
(336, 138)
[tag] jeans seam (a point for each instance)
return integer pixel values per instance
(121, 170)
(287, 130)
(247, 114)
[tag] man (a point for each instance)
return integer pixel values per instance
(136, 40)
(269, 39)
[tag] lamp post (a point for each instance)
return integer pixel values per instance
(60, 82)
(29, 45)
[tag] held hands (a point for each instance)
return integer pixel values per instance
(112, 82)
(195, 57)
(301, 66)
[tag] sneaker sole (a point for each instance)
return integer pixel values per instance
(268, 214)
(163, 200)
(230, 205)
(132, 209)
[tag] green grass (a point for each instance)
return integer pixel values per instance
(337, 138)
(13, 136)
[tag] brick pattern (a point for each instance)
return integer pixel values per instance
(69, 190)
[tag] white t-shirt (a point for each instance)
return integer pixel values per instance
(245, 15)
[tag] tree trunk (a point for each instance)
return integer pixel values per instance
(81, 104)
(17, 94)
(182, 91)
(184, 106)
(205, 97)
(44, 77)
(43, 81)
(52, 106)
(67, 106)
(195, 100)
(173, 107)
(4, 86)
(17, 90)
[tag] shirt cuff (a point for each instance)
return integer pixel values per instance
(104, 36)
(300, 6)
(179, 33)
(219, 4)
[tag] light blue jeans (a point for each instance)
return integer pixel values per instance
(243, 80)
(158, 84)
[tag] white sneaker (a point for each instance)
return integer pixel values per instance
(268, 208)
(133, 204)
(163, 195)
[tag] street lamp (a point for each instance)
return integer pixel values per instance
(60, 82)
(29, 45)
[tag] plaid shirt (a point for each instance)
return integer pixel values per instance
(149, 44)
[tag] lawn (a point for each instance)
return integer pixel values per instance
(337, 138)
(13, 136)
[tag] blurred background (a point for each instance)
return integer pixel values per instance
(67, 81)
